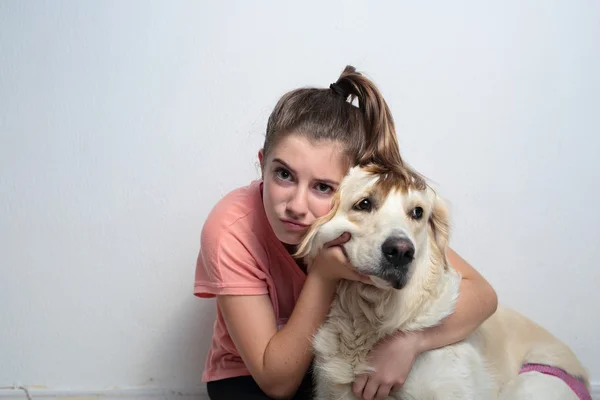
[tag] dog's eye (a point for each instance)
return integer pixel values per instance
(363, 205)
(416, 213)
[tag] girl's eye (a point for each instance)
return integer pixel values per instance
(282, 174)
(324, 188)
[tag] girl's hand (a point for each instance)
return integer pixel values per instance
(332, 264)
(392, 360)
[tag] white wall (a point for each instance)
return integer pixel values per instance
(122, 123)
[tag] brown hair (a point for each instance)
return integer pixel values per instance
(367, 132)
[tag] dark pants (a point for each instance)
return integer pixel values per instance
(245, 388)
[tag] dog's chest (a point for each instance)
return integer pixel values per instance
(356, 338)
(346, 338)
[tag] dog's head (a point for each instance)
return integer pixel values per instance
(396, 223)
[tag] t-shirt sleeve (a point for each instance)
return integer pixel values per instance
(225, 264)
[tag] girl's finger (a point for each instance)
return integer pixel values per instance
(343, 238)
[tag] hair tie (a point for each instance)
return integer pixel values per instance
(338, 90)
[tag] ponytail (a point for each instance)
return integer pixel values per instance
(381, 141)
(366, 132)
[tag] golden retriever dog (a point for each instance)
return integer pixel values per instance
(399, 231)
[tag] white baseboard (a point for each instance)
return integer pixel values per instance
(133, 394)
(110, 394)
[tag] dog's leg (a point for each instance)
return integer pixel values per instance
(537, 386)
(327, 390)
(333, 373)
(455, 372)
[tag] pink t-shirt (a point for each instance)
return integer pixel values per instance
(240, 255)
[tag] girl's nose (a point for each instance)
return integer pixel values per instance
(298, 204)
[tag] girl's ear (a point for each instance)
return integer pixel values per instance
(310, 244)
(260, 158)
(261, 162)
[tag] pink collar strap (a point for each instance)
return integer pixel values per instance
(577, 385)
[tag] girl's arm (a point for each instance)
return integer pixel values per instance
(279, 360)
(276, 360)
(477, 301)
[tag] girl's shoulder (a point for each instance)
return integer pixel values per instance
(233, 255)
(236, 210)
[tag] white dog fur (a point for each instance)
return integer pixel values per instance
(484, 366)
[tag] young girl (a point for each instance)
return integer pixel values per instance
(268, 305)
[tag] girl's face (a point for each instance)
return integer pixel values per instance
(300, 178)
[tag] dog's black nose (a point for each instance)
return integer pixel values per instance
(398, 251)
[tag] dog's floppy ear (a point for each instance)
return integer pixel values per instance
(308, 244)
(439, 221)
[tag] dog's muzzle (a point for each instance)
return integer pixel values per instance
(397, 255)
